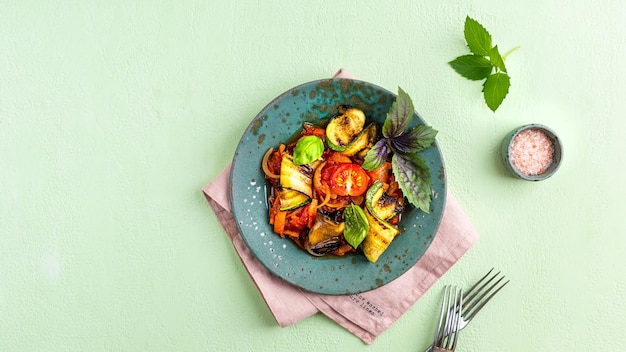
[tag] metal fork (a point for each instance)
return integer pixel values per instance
(477, 297)
(448, 329)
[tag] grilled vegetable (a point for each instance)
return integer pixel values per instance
(380, 204)
(378, 237)
(362, 143)
(340, 214)
(297, 177)
(343, 128)
(349, 180)
(326, 234)
(290, 199)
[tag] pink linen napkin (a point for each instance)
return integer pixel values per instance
(367, 314)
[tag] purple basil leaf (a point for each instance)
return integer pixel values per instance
(416, 139)
(413, 178)
(399, 115)
(376, 156)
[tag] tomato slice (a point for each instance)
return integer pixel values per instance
(349, 180)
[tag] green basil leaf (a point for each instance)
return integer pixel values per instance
(414, 140)
(413, 177)
(376, 156)
(308, 149)
(474, 67)
(356, 225)
(495, 89)
(399, 116)
(477, 37)
(496, 59)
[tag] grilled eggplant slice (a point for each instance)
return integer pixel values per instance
(325, 236)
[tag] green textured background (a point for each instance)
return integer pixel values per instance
(113, 115)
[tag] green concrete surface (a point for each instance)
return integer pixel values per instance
(113, 115)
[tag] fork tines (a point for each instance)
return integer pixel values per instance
(481, 292)
(449, 319)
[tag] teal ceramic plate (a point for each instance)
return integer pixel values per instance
(277, 123)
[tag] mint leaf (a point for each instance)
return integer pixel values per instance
(416, 139)
(486, 63)
(496, 59)
(413, 177)
(308, 149)
(495, 89)
(399, 116)
(474, 67)
(356, 225)
(477, 37)
(376, 156)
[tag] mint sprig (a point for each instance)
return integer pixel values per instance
(485, 63)
(404, 143)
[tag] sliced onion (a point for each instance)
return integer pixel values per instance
(266, 168)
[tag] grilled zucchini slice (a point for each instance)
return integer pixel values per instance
(362, 142)
(380, 204)
(378, 238)
(297, 177)
(343, 128)
(290, 199)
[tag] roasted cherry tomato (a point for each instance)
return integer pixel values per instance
(381, 174)
(349, 180)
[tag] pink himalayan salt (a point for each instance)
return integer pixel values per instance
(531, 152)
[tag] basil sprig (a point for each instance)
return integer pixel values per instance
(412, 173)
(485, 62)
(356, 225)
(308, 149)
